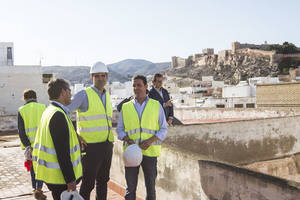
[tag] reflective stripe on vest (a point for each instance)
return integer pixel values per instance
(44, 157)
(31, 114)
(139, 131)
(94, 125)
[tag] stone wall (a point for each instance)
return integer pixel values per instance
(279, 57)
(226, 182)
(287, 167)
(278, 95)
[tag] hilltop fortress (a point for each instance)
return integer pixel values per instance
(237, 48)
(241, 62)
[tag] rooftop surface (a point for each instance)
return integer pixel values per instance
(15, 182)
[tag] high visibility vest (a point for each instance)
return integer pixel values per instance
(31, 114)
(139, 131)
(94, 125)
(44, 157)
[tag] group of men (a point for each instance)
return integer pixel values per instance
(62, 157)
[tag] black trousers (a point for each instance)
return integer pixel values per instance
(56, 190)
(96, 167)
(149, 166)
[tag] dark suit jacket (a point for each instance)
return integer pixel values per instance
(155, 95)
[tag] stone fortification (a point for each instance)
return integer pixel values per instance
(243, 61)
(226, 65)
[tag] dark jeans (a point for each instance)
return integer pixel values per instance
(149, 166)
(96, 166)
(56, 190)
(35, 183)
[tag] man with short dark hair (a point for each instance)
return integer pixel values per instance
(142, 121)
(160, 94)
(29, 116)
(94, 115)
(56, 154)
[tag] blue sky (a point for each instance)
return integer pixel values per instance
(81, 32)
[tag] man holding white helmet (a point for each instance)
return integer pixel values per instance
(94, 114)
(142, 121)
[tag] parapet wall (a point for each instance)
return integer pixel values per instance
(181, 176)
(239, 142)
(232, 113)
(178, 174)
(226, 182)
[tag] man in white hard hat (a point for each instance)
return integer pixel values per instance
(142, 121)
(94, 114)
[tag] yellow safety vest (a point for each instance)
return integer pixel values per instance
(31, 114)
(94, 125)
(142, 130)
(45, 163)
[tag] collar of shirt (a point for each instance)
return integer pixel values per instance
(63, 107)
(30, 101)
(159, 90)
(136, 102)
(98, 91)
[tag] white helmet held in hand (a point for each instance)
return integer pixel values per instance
(98, 67)
(132, 156)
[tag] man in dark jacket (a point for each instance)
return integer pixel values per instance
(160, 94)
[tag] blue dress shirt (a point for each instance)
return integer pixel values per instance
(80, 100)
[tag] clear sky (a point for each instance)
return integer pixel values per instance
(81, 32)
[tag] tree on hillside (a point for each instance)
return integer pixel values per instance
(285, 48)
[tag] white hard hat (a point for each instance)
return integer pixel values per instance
(98, 67)
(132, 156)
(65, 195)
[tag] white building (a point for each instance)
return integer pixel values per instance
(14, 80)
(261, 80)
(240, 90)
(6, 54)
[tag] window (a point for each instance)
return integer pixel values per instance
(220, 106)
(250, 105)
(47, 78)
(238, 105)
(9, 53)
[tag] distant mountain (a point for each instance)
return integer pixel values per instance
(138, 66)
(120, 71)
(79, 74)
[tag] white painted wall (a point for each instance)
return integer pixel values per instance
(236, 91)
(14, 80)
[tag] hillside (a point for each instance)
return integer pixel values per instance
(138, 66)
(230, 68)
(79, 74)
(120, 71)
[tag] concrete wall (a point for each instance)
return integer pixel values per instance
(239, 142)
(225, 182)
(232, 113)
(14, 80)
(181, 176)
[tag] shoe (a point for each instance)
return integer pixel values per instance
(38, 194)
